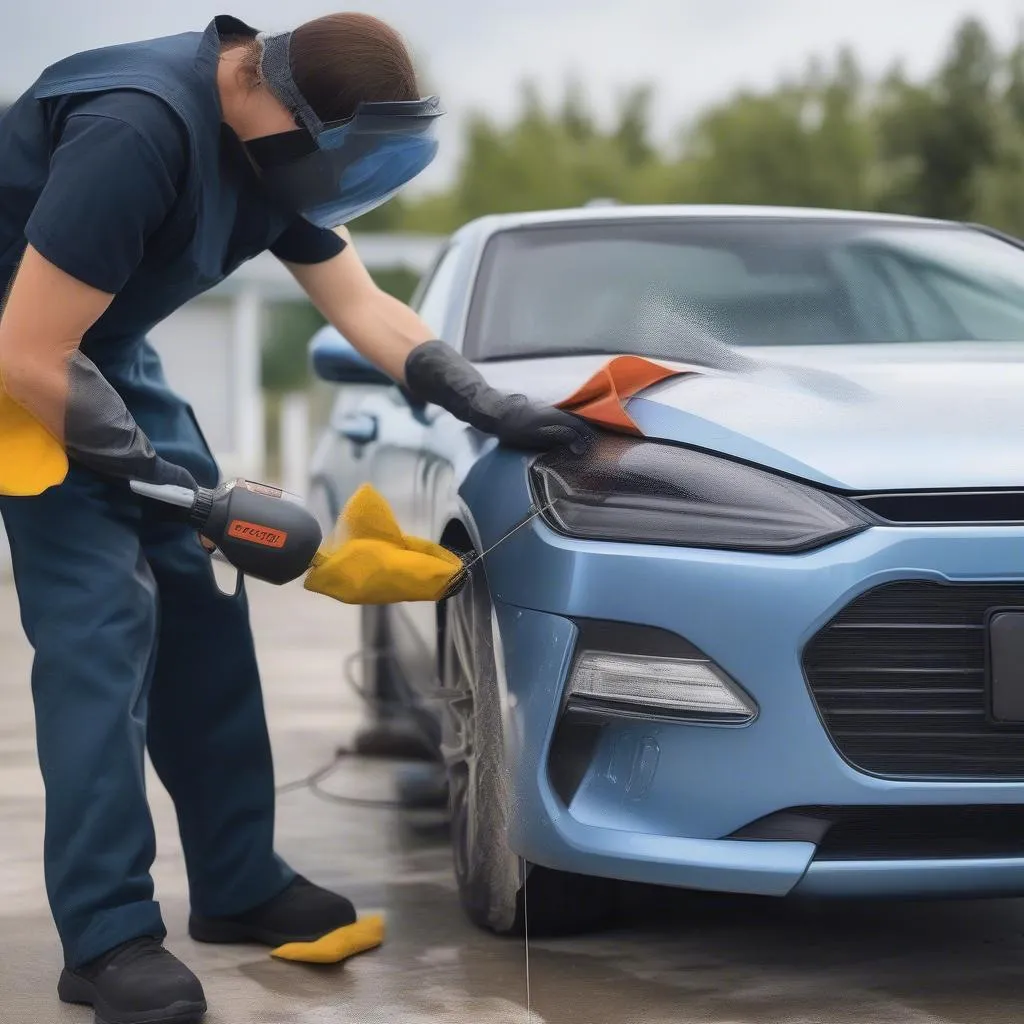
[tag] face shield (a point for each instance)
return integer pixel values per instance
(333, 172)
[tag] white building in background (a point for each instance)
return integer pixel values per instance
(210, 348)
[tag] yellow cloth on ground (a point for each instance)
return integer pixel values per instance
(368, 560)
(31, 458)
(365, 934)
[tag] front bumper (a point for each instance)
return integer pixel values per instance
(658, 797)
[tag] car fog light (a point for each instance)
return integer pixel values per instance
(679, 685)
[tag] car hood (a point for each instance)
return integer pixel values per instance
(858, 418)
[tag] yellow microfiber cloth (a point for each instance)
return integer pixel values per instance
(368, 560)
(365, 934)
(31, 458)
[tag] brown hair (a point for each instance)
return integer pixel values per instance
(342, 60)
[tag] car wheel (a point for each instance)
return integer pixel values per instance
(489, 875)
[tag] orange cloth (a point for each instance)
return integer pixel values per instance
(602, 399)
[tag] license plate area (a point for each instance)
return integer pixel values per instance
(1004, 635)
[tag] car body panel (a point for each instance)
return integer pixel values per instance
(921, 878)
(853, 418)
(711, 781)
(923, 416)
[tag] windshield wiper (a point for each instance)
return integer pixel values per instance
(554, 353)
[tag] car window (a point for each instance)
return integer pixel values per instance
(661, 287)
(433, 306)
(984, 313)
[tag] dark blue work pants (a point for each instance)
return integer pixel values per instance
(136, 648)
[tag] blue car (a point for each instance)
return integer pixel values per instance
(774, 642)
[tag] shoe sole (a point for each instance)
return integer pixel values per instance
(74, 989)
(230, 933)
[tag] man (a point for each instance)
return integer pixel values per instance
(133, 178)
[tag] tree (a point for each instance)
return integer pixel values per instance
(576, 119)
(632, 131)
(806, 143)
(941, 134)
(1013, 96)
(998, 196)
(390, 216)
(950, 144)
(548, 159)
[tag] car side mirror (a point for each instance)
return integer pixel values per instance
(334, 359)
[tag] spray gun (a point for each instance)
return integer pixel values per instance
(262, 531)
(269, 534)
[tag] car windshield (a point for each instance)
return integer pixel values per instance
(666, 288)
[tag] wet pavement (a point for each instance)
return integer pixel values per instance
(674, 957)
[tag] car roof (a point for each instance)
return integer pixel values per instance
(602, 212)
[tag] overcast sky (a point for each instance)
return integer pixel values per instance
(476, 52)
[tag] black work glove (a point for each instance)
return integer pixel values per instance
(101, 433)
(436, 373)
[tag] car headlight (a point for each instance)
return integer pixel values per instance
(688, 686)
(651, 493)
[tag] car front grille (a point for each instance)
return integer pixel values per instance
(899, 680)
(901, 832)
(945, 507)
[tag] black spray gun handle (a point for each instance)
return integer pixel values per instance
(262, 531)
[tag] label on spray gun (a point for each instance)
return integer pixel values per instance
(256, 534)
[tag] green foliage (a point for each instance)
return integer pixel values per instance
(808, 143)
(950, 144)
(290, 325)
(942, 133)
(287, 331)
(388, 217)
(398, 282)
(547, 158)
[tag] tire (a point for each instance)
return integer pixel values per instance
(489, 875)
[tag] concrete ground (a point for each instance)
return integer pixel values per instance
(679, 958)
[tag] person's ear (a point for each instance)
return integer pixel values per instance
(248, 71)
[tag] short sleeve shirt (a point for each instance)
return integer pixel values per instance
(98, 205)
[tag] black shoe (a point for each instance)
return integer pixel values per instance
(138, 982)
(302, 913)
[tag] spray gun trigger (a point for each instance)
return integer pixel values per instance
(223, 571)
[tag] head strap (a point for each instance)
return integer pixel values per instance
(276, 74)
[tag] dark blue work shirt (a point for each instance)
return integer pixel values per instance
(97, 183)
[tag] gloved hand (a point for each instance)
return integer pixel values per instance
(102, 434)
(87, 421)
(435, 372)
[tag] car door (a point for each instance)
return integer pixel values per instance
(373, 436)
(434, 306)
(340, 461)
(419, 621)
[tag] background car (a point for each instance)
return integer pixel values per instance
(775, 644)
